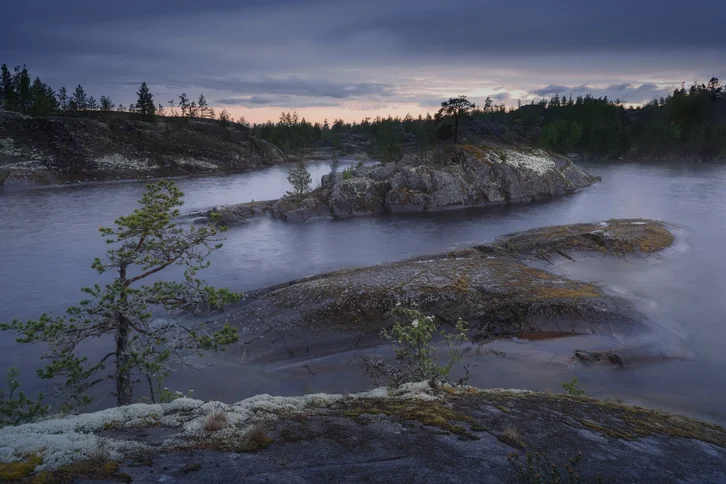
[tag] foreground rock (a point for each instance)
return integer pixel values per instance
(457, 177)
(412, 434)
(110, 146)
(488, 286)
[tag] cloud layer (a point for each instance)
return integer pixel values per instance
(373, 56)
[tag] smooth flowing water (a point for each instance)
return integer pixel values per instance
(48, 238)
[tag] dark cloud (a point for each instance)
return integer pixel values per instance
(262, 52)
(551, 90)
(626, 92)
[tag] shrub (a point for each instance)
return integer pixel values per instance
(538, 469)
(416, 355)
(15, 407)
(216, 420)
(572, 388)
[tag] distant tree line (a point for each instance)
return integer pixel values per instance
(18, 93)
(689, 122)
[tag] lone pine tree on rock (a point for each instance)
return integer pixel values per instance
(300, 179)
(144, 243)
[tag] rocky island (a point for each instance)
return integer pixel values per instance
(480, 175)
(96, 146)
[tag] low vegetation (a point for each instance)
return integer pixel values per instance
(572, 387)
(536, 468)
(416, 354)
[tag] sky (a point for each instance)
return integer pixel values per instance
(329, 59)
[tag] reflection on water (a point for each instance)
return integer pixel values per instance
(48, 238)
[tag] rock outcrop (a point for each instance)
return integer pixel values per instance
(457, 177)
(110, 146)
(489, 286)
(410, 434)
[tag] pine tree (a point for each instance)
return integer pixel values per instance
(92, 104)
(202, 106)
(300, 179)
(224, 117)
(44, 101)
(184, 105)
(7, 87)
(23, 91)
(63, 98)
(107, 104)
(456, 108)
(79, 100)
(145, 103)
(143, 243)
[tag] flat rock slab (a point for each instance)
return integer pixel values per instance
(463, 436)
(490, 287)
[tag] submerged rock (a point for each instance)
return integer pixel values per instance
(487, 286)
(618, 237)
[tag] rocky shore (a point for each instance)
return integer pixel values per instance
(112, 146)
(411, 434)
(456, 177)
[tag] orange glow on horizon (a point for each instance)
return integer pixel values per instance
(320, 114)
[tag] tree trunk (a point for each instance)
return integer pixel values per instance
(123, 370)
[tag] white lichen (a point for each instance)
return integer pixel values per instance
(117, 161)
(62, 441)
(198, 164)
(538, 161)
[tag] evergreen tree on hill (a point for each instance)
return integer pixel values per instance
(145, 103)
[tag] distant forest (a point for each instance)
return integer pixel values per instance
(690, 122)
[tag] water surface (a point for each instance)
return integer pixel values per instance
(48, 238)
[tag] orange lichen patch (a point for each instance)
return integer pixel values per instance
(462, 284)
(616, 237)
(537, 283)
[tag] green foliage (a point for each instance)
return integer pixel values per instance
(300, 179)
(538, 469)
(416, 354)
(143, 243)
(15, 407)
(348, 173)
(145, 102)
(456, 108)
(572, 387)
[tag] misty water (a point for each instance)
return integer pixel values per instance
(48, 238)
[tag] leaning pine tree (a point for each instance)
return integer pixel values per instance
(144, 243)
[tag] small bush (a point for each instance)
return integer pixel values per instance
(348, 173)
(216, 421)
(572, 388)
(257, 439)
(15, 407)
(415, 354)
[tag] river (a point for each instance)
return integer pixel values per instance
(48, 238)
